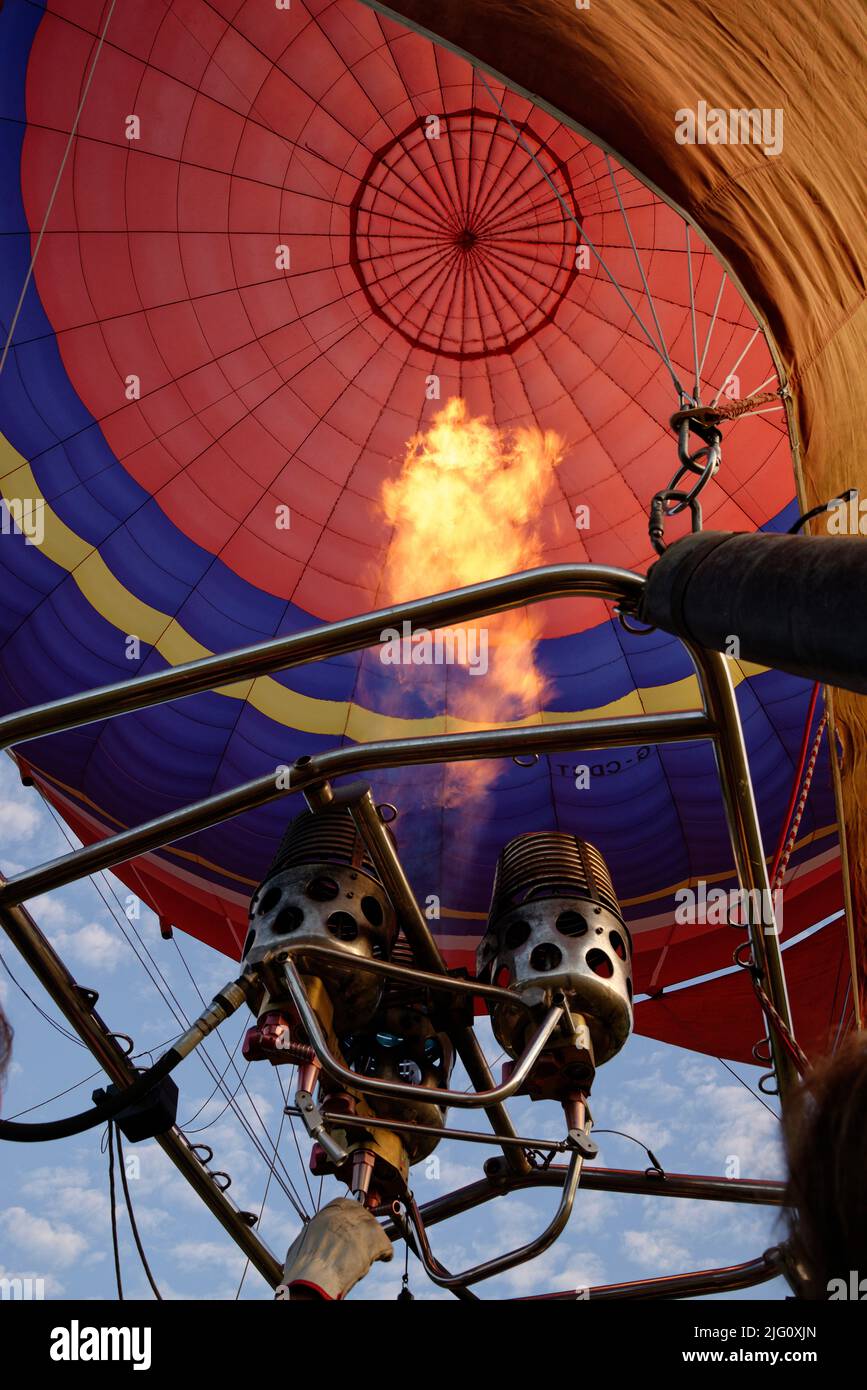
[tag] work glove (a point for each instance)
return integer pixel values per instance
(335, 1249)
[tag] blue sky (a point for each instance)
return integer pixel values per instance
(54, 1211)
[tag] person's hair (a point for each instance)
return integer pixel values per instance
(5, 1045)
(825, 1130)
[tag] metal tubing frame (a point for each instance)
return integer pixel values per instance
(77, 1007)
(646, 1183)
(748, 1191)
(467, 1136)
(500, 1263)
(444, 984)
(333, 639)
(425, 949)
(696, 1284)
(359, 758)
(717, 720)
(405, 1090)
(427, 953)
(689, 1285)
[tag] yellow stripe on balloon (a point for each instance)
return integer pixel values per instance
(332, 718)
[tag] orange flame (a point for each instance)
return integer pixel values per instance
(466, 507)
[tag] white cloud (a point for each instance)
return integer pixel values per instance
(53, 911)
(445, 1176)
(695, 1070)
(91, 945)
(19, 821)
(593, 1210)
(208, 1260)
(558, 1270)
(150, 1219)
(56, 1243)
(515, 1217)
(45, 1182)
(66, 1192)
(648, 1128)
(655, 1251)
(192, 1251)
(751, 1134)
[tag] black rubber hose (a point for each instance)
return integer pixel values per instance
(794, 603)
(36, 1133)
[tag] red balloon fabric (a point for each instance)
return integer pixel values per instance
(270, 247)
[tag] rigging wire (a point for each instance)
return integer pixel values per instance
(406, 1293)
(778, 1023)
(748, 414)
(58, 1027)
(650, 1154)
(39, 1104)
(276, 1157)
(285, 1098)
(75, 1085)
(185, 1126)
(800, 791)
(570, 213)
(181, 1017)
(261, 1211)
(111, 1198)
(843, 1014)
(73, 130)
(730, 374)
(712, 325)
(171, 1001)
(131, 1214)
(697, 391)
(200, 1129)
(662, 342)
(749, 1088)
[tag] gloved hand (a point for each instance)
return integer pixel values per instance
(335, 1249)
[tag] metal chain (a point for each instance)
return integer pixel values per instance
(704, 462)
